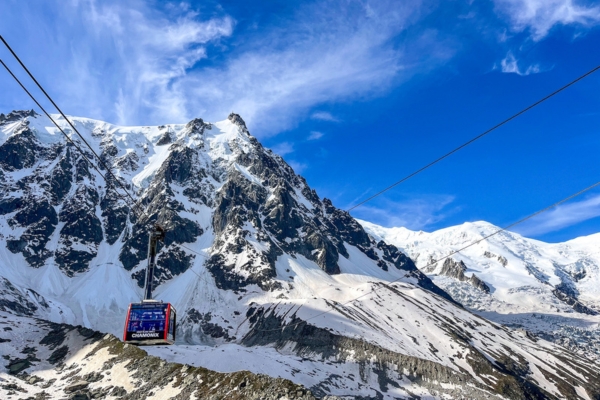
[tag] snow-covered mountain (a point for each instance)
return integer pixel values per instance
(551, 289)
(264, 274)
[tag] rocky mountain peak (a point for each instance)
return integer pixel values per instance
(199, 180)
(16, 115)
(237, 120)
(252, 257)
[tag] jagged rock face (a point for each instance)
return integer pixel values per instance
(51, 193)
(16, 301)
(478, 284)
(503, 261)
(17, 115)
(19, 151)
(456, 269)
(259, 208)
(81, 233)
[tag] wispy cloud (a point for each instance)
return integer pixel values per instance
(337, 50)
(155, 54)
(324, 116)
(283, 148)
(124, 62)
(540, 16)
(137, 63)
(561, 217)
(415, 213)
(315, 135)
(298, 167)
(510, 65)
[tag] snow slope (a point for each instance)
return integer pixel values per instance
(552, 289)
(53, 361)
(253, 259)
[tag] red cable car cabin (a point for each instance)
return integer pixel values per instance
(150, 322)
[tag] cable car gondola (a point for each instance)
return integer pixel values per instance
(151, 322)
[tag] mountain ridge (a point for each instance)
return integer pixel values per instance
(530, 278)
(253, 260)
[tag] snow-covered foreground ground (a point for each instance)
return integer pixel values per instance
(53, 361)
(333, 378)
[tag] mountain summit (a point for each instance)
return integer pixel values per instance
(551, 289)
(257, 265)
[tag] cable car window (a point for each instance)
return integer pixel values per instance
(147, 322)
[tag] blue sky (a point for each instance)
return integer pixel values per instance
(353, 94)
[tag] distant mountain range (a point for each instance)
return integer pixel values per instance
(551, 289)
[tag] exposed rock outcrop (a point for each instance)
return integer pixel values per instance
(456, 269)
(86, 364)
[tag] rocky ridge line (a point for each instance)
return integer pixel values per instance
(62, 360)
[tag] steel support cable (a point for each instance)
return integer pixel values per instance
(69, 122)
(133, 208)
(78, 148)
(81, 151)
(59, 128)
(355, 206)
(597, 184)
(523, 111)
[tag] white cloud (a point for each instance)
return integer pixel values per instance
(417, 213)
(510, 65)
(154, 54)
(324, 116)
(315, 135)
(298, 167)
(124, 62)
(129, 63)
(561, 217)
(329, 51)
(283, 148)
(540, 16)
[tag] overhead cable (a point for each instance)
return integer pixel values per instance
(69, 122)
(432, 263)
(523, 111)
(58, 126)
(133, 206)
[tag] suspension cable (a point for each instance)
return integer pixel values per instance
(69, 122)
(523, 111)
(59, 128)
(432, 263)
